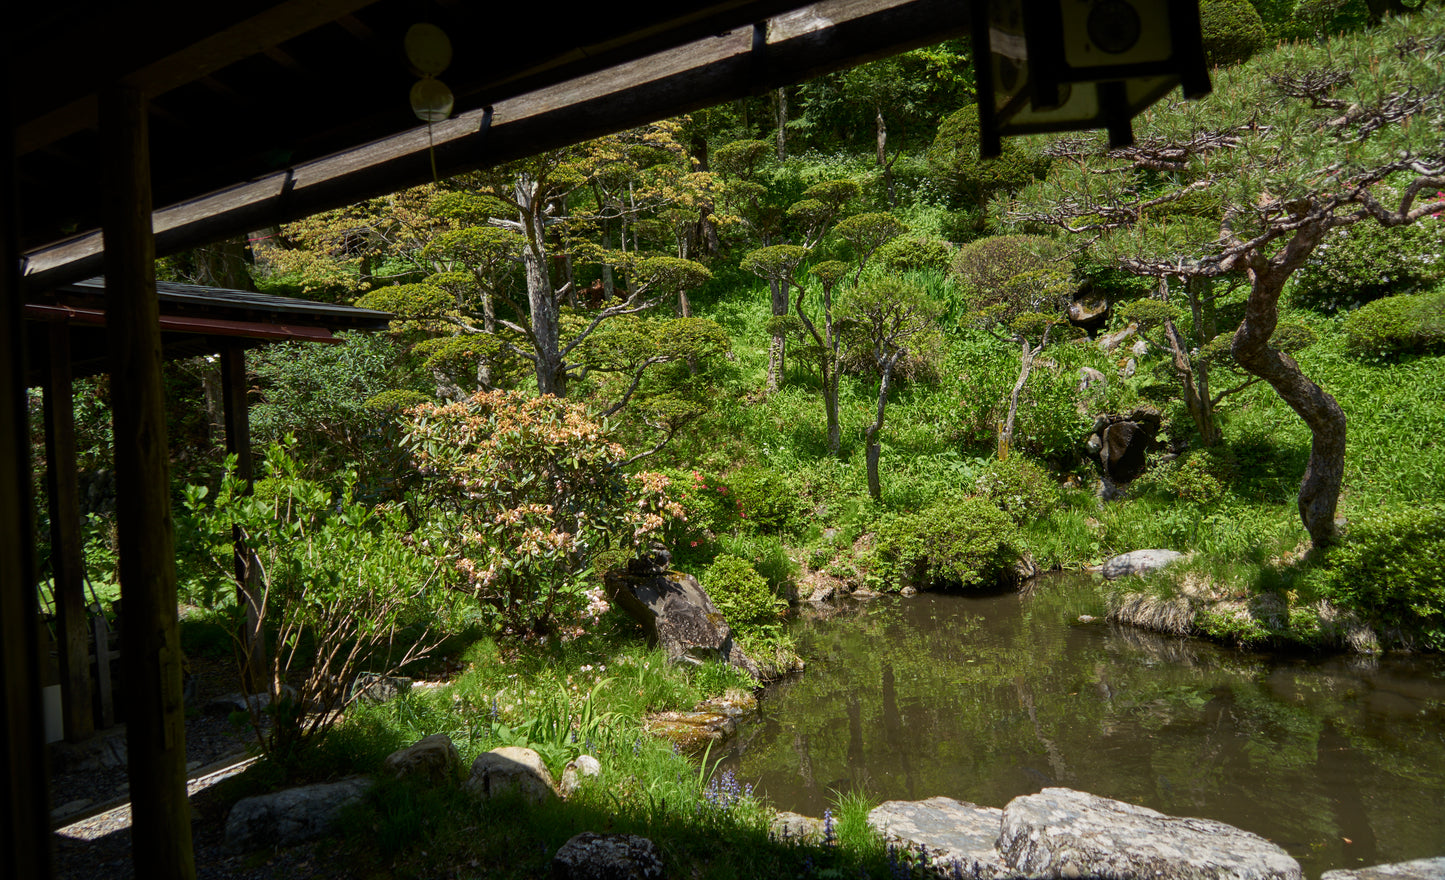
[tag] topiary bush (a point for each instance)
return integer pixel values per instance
(1398, 325)
(1233, 31)
(913, 254)
(740, 593)
(1019, 487)
(958, 541)
(1390, 568)
(1363, 262)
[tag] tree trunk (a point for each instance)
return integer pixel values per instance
(1196, 397)
(1026, 365)
(1320, 490)
(875, 486)
(541, 299)
(782, 123)
(777, 346)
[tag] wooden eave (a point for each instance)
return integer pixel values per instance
(595, 88)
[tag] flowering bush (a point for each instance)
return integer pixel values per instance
(536, 489)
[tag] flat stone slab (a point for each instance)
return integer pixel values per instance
(291, 815)
(954, 833)
(1061, 833)
(1419, 869)
(1139, 562)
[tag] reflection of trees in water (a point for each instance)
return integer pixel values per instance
(975, 700)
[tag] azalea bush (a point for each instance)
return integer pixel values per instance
(536, 502)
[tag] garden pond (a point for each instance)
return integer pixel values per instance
(1340, 759)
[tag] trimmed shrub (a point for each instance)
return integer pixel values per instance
(1233, 31)
(958, 541)
(739, 592)
(1391, 569)
(1363, 262)
(1019, 487)
(1398, 325)
(913, 254)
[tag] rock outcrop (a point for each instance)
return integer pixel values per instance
(954, 833)
(293, 815)
(434, 759)
(1420, 869)
(510, 770)
(675, 612)
(1139, 562)
(1061, 833)
(593, 856)
(1121, 442)
(581, 768)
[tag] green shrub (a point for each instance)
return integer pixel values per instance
(739, 592)
(1199, 477)
(1391, 568)
(913, 254)
(765, 500)
(1398, 325)
(1020, 488)
(1366, 261)
(1233, 31)
(963, 541)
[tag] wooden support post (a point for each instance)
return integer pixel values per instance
(254, 665)
(24, 801)
(67, 556)
(150, 638)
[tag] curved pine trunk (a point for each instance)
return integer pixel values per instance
(1319, 492)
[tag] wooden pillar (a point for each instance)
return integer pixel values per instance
(24, 804)
(254, 665)
(67, 555)
(150, 639)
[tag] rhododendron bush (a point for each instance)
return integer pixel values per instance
(536, 489)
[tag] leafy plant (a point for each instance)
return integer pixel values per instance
(532, 490)
(339, 582)
(1020, 487)
(740, 592)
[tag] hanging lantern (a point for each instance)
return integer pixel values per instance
(429, 52)
(431, 100)
(1067, 65)
(428, 49)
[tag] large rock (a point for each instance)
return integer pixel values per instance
(371, 687)
(1122, 441)
(959, 836)
(1139, 562)
(1111, 341)
(580, 768)
(1061, 833)
(433, 759)
(511, 769)
(1420, 869)
(676, 613)
(283, 818)
(593, 856)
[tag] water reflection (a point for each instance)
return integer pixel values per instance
(1341, 760)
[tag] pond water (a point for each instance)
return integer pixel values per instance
(1339, 759)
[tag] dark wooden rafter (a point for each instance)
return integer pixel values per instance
(796, 46)
(152, 661)
(176, 43)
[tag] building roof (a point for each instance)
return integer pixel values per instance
(194, 321)
(262, 112)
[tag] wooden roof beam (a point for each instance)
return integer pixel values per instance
(827, 36)
(199, 39)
